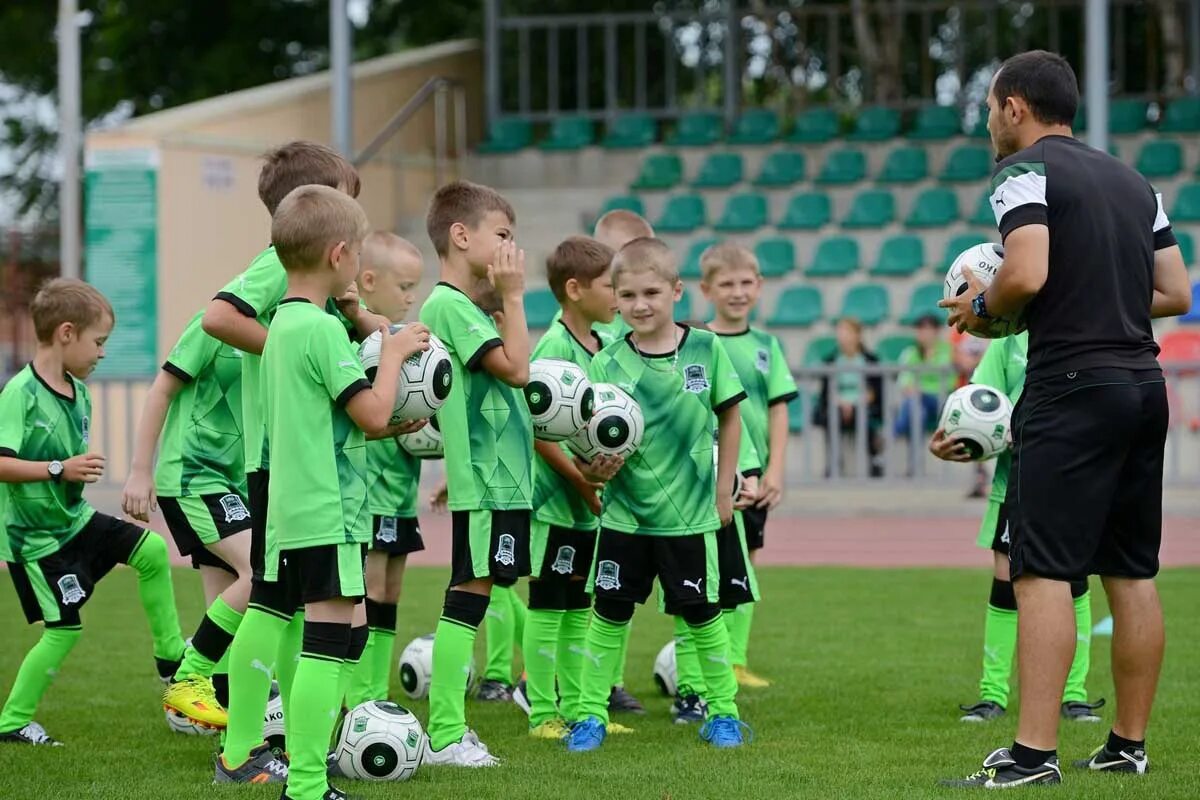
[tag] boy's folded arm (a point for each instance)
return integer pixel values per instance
(560, 462)
(233, 322)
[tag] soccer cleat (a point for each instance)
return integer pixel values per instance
(331, 793)
(466, 752)
(1001, 771)
(167, 667)
(32, 733)
(725, 732)
(1081, 711)
(621, 701)
(587, 734)
(748, 679)
(332, 770)
(983, 711)
(617, 729)
(689, 708)
(473, 737)
(491, 691)
(1129, 759)
(195, 699)
(263, 766)
(550, 729)
(521, 697)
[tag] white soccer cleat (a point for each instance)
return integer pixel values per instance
(468, 752)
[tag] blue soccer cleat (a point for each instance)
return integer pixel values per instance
(725, 732)
(587, 734)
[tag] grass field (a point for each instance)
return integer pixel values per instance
(869, 667)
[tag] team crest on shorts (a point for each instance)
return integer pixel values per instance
(506, 549)
(71, 591)
(695, 379)
(235, 510)
(387, 530)
(85, 429)
(762, 360)
(564, 562)
(608, 575)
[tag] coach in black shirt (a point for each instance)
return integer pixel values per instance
(1089, 260)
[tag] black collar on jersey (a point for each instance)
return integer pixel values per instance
(670, 353)
(464, 294)
(296, 300)
(599, 342)
(70, 382)
(742, 332)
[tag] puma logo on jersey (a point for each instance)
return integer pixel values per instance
(694, 585)
(348, 364)
(41, 423)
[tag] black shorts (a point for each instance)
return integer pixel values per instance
(560, 554)
(755, 520)
(738, 581)
(324, 572)
(396, 536)
(54, 588)
(274, 597)
(197, 521)
(1085, 491)
(686, 567)
(491, 544)
(1000, 539)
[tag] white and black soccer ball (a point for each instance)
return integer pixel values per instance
(416, 668)
(560, 398)
(664, 669)
(425, 443)
(978, 418)
(425, 379)
(273, 717)
(182, 724)
(984, 261)
(615, 428)
(380, 741)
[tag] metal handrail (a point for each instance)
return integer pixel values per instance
(436, 87)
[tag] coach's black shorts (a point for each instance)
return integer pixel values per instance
(396, 536)
(738, 583)
(54, 588)
(1085, 492)
(1000, 539)
(686, 568)
(755, 520)
(491, 544)
(324, 572)
(197, 521)
(274, 596)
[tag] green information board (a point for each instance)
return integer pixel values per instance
(121, 254)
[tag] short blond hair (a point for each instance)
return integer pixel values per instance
(646, 254)
(310, 220)
(465, 202)
(726, 255)
(620, 226)
(67, 300)
(579, 257)
(379, 244)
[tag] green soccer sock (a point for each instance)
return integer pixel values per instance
(39, 668)
(689, 677)
(501, 622)
(316, 701)
(999, 645)
(542, 627)
(737, 622)
(383, 626)
(619, 675)
(572, 638)
(354, 656)
(712, 645)
(1076, 687)
(453, 644)
(362, 676)
(210, 642)
(286, 661)
(252, 658)
(604, 644)
(152, 563)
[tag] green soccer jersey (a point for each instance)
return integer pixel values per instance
(201, 449)
(608, 331)
(39, 424)
(761, 367)
(1003, 367)
(555, 501)
(486, 430)
(318, 489)
(392, 479)
(668, 487)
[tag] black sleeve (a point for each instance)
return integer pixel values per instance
(351, 390)
(729, 403)
(241, 305)
(8, 452)
(783, 398)
(177, 371)
(1019, 217)
(753, 473)
(475, 361)
(1164, 238)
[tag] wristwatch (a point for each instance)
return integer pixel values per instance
(979, 307)
(55, 468)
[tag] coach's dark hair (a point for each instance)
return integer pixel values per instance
(1045, 81)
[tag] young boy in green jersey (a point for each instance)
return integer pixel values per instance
(663, 509)
(488, 438)
(195, 406)
(317, 403)
(1003, 368)
(732, 282)
(57, 546)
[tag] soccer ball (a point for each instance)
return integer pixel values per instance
(181, 724)
(977, 417)
(664, 669)
(380, 741)
(425, 443)
(416, 668)
(615, 428)
(425, 378)
(985, 261)
(273, 717)
(560, 398)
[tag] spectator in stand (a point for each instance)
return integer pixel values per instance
(924, 385)
(852, 390)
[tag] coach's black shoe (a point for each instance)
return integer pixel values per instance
(1000, 771)
(33, 733)
(621, 701)
(1080, 711)
(1128, 759)
(983, 711)
(494, 692)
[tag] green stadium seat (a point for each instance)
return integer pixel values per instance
(507, 136)
(815, 126)
(630, 131)
(875, 124)
(798, 307)
(890, 347)
(1160, 158)
(958, 243)
(934, 208)
(540, 308)
(682, 214)
(696, 129)
(843, 166)
(776, 256)
(782, 168)
(691, 262)
(835, 257)
(807, 211)
(625, 202)
(1126, 116)
(743, 212)
(1187, 204)
(967, 163)
(983, 211)
(755, 126)
(904, 165)
(979, 129)
(796, 409)
(659, 171)
(819, 349)
(719, 171)
(1187, 246)
(872, 208)
(1182, 116)
(867, 302)
(934, 123)
(924, 301)
(569, 133)
(900, 256)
